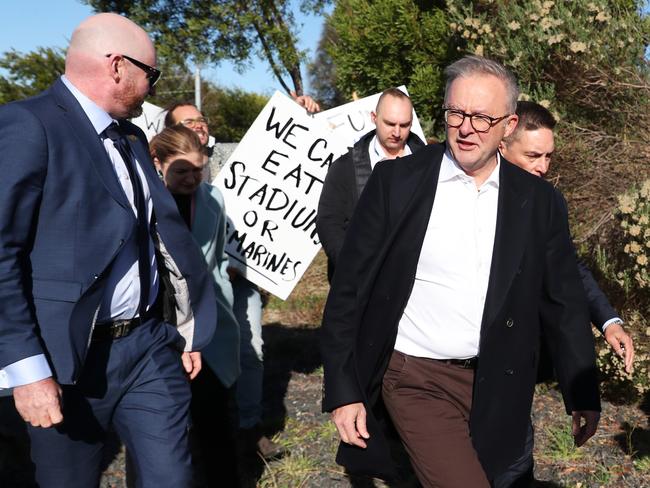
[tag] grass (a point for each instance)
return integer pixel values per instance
(561, 445)
(642, 464)
(291, 472)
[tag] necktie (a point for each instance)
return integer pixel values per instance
(116, 135)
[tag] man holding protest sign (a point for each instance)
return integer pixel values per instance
(247, 307)
(348, 175)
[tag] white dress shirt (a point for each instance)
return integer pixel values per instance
(442, 318)
(377, 153)
(121, 299)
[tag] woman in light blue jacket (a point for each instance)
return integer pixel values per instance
(180, 158)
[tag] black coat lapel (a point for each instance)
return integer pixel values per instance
(84, 131)
(513, 213)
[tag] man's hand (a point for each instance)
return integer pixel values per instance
(305, 101)
(622, 344)
(191, 363)
(582, 433)
(350, 421)
(39, 403)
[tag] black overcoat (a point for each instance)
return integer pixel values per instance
(533, 284)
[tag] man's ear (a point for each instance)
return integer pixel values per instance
(511, 125)
(373, 117)
(117, 68)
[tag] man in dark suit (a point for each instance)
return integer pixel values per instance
(346, 178)
(105, 298)
(531, 146)
(453, 262)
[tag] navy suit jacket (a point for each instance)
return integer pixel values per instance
(63, 219)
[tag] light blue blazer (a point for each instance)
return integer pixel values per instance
(209, 231)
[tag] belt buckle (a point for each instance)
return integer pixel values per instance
(122, 330)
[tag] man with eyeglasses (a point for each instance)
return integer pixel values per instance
(105, 299)
(247, 306)
(453, 262)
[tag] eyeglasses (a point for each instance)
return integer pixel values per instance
(153, 74)
(193, 122)
(480, 122)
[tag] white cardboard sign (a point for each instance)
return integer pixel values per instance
(349, 122)
(152, 119)
(271, 185)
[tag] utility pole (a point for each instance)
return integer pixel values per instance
(197, 87)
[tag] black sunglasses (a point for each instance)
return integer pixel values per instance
(153, 74)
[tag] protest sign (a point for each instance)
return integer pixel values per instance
(152, 119)
(271, 185)
(349, 122)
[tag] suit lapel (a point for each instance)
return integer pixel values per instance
(513, 212)
(84, 131)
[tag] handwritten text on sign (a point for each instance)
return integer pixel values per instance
(271, 185)
(349, 122)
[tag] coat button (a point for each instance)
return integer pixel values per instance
(510, 372)
(510, 323)
(95, 277)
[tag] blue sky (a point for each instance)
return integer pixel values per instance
(28, 24)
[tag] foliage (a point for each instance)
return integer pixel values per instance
(322, 71)
(29, 74)
(386, 43)
(561, 444)
(634, 208)
(208, 31)
(231, 112)
(585, 57)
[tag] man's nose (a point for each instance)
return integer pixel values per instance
(466, 127)
(542, 165)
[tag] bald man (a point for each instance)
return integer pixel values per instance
(347, 177)
(104, 296)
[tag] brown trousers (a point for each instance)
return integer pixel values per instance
(429, 403)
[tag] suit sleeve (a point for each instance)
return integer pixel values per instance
(332, 218)
(344, 307)
(600, 310)
(565, 316)
(23, 163)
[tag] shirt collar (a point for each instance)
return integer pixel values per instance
(377, 152)
(450, 169)
(98, 117)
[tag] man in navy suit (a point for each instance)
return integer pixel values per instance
(105, 298)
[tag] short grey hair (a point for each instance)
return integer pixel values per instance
(478, 65)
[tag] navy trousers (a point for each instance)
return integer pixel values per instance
(137, 384)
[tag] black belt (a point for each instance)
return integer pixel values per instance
(469, 363)
(115, 329)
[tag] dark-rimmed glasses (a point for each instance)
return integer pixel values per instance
(480, 122)
(153, 74)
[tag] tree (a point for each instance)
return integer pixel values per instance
(385, 43)
(231, 112)
(209, 31)
(29, 74)
(322, 71)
